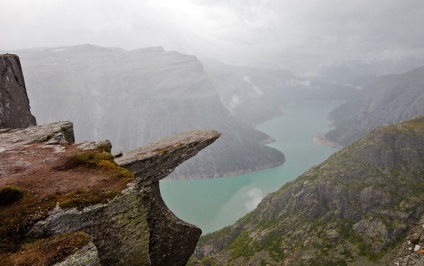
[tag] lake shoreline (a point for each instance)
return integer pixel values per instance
(230, 173)
(321, 139)
(213, 203)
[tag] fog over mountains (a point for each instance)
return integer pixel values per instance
(256, 94)
(136, 97)
(300, 36)
(229, 66)
(383, 100)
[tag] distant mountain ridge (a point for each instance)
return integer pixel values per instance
(358, 72)
(384, 100)
(363, 205)
(136, 97)
(257, 94)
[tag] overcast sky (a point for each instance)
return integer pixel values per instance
(245, 32)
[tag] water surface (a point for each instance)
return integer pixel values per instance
(213, 204)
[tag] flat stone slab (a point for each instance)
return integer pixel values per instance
(167, 153)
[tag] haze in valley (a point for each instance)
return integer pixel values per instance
(297, 35)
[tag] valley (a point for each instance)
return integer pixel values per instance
(213, 204)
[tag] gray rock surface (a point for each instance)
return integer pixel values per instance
(14, 104)
(119, 228)
(85, 256)
(411, 251)
(133, 228)
(55, 133)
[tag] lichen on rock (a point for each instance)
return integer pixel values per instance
(58, 187)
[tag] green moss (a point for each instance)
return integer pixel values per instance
(89, 158)
(111, 168)
(272, 244)
(208, 262)
(9, 195)
(84, 198)
(103, 148)
(241, 246)
(191, 261)
(99, 160)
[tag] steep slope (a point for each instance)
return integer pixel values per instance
(14, 104)
(135, 97)
(356, 207)
(256, 94)
(386, 100)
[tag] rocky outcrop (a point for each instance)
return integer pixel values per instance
(85, 256)
(356, 207)
(411, 251)
(14, 104)
(53, 190)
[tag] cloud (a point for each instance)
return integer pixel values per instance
(258, 32)
(254, 195)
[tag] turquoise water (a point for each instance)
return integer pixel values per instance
(213, 204)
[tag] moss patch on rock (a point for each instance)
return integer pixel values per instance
(97, 159)
(84, 198)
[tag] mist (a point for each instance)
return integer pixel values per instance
(316, 106)
(280, 34)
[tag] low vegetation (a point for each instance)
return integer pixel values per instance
(21, 208)
(47, 251)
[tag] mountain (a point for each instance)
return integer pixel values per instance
(14, 104)
(256, 94)
(359, 207)
(385, 100)
(136, 97)
(357, 72)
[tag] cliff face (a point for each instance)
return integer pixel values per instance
(383, 101)
(14, 104)
(73, 204)
(121, 94)
(359, 206)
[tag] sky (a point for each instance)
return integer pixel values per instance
(264, 33)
